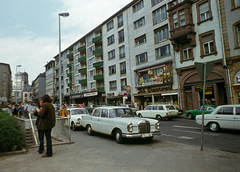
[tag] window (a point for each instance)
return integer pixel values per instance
(138, 6)
(161, 34)
(204, 11)
(163, 51)
(111, 40)
(140, 40)
(91, 73)
(141, 58)
(91, 61)
(120, 36)
(97, 112)
(182, 17)
(148, 107)
(175, 20)
(139, 23)
(111, 54)
(207, 44)
(123, 84)
(179, 1)
(112, 70)
(123, 68)
(238, 34)
(226, 111)
(113, 85)
(237, 110)
(110, 25)
(159, 15)
(122, 51)
(160, 108)
(187, 51)
(154, 2)
(120, 20)
(104, 113)
(90, 51)
(92, 85)
(236, 3)
(90, 38)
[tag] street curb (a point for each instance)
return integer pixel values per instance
(53, 144)
(23, 151)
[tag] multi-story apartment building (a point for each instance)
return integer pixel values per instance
(195, 31)
(230, 22)
(27, 94)
(39, 87)
(5, 83)
(49, 70)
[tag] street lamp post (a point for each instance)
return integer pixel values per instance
(16, 83)
(59, 60)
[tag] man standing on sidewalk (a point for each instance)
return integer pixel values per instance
(47, 121)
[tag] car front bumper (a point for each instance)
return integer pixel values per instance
(140, 135)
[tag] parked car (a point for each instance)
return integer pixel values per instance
(121, 123)
(28, 109)
(131, 106)
(191, 114)
(158, 111)
(223, 117)
(76, 115)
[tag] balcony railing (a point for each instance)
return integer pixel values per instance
(82, 70)
(98, 77)
(70, 84)
(70, 55)
(101, 89)
(69, 65)
(100, 50)
(96, 39)
(81, 59)
(83, 81)
(83, 48)
(98, 64)
(69, 75)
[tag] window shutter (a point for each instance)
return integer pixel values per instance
(207, 38)
(204, 8)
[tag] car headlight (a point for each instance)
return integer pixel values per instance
(157, 125)
(130, 127)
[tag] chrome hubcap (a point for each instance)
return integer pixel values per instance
(213, 126)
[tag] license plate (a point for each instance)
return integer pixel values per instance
(147, 135)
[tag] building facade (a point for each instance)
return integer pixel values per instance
(5, 83)
(49, 70)
(39, 87)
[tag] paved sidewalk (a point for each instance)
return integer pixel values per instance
(163, 157)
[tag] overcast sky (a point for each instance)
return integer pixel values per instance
(29, 32)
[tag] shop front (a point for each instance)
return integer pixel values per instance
(191, 88)
(155, 86)
(236, 88)
(117, 100)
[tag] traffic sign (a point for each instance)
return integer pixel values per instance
(128, 88)
(200, 69)
(125, 94)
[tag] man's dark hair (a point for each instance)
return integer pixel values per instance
(46, 98)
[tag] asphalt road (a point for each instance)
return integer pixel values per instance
(180, 130)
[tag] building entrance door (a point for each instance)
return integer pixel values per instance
(189, 101)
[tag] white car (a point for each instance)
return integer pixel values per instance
(158, 111)
(76, 115)
(121, 123)
(225, 117)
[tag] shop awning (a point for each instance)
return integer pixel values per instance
(169, 94)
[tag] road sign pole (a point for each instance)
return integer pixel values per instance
(203, 101)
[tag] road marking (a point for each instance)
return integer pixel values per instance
(197, 132)
(178, 126)
(185, 137)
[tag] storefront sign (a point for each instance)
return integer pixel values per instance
(90, 94)
(208, 87)
(76, 96)
(236, 87)
(237, 78)
(110, 94)
(155, 75)
(154, 89)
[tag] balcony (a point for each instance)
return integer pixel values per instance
(83, 70)
(69, 75)
(70, 84)
(96, 39)
(100, 50)
(83, 48)
(70, 55)
(98, 64)
(69, 65)
(98, 77)
(83, 81)
(101, 89)
(82, 59)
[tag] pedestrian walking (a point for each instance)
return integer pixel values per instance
(20, 110)
(40, 132)
(63, 112)
(15, 111)
(47, 121)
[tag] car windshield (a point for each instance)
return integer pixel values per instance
(170, 107)
(78, 111)
(121, 113)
